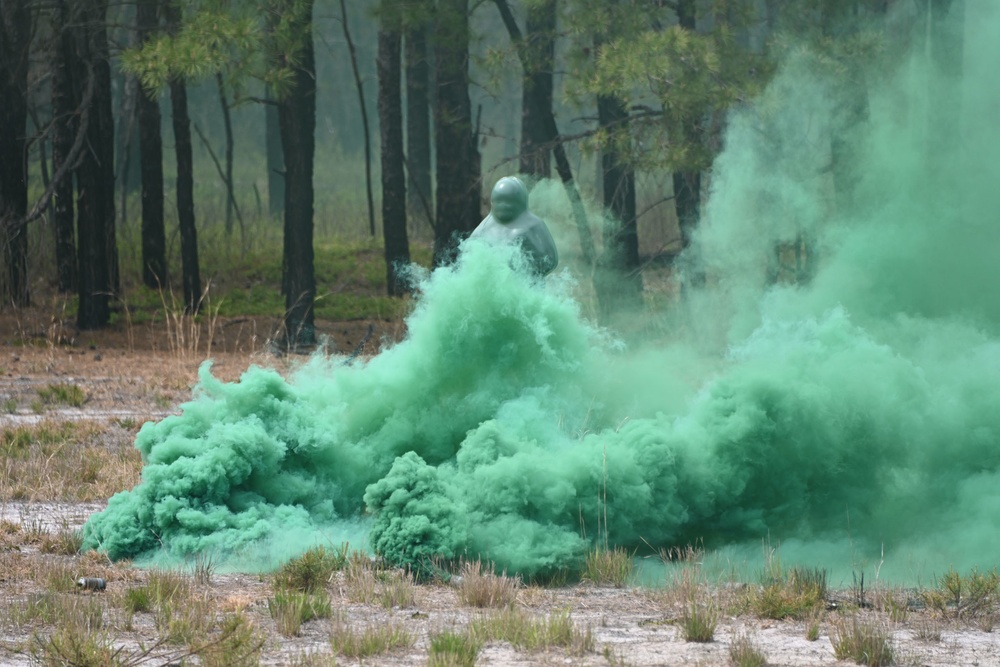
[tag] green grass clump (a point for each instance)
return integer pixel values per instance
(608, 567)
(290, 609)
(62, 394)
(60, 609)
(185, 621)
(166, 586)
(798, 595)
(864, 642)
(513, 625)
(138, 599)
(65, 542)
(453, 649)
(310, 571)
(373, 640)
(698, 622)
(70, 645)
(745, 652)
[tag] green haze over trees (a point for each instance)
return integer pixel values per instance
(624, 102)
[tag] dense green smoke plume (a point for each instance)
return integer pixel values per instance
(860, 407)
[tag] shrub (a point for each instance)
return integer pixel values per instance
(970, 596)
(310, 571)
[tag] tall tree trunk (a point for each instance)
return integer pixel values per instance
(64, 128)
(190, 269)
(227, 124)
(97, 261)
(275, 160)
(456, 179)
(297, 117)
(617, 280)
(536, 89)
(419, 200)
(687, 183)
(15, 36)
(128, 155)
(552, 137)
(390, 114)
(154, 242)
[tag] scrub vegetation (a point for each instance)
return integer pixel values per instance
(360, 607)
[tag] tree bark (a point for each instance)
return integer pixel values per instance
(154, 242)
(64, 129)
(419, 202)
(390, 113)
(536, 89)
(97, 250)
(453, 136)
(15, 36)
(190, 269)
(297, 117)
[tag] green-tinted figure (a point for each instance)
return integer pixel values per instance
(510, 221)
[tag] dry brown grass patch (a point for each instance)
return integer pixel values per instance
(76, 461)
(481, 587)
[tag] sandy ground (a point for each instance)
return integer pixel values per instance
(631, 626)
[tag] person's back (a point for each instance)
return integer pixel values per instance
(510, 221)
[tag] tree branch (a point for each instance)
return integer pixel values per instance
(73, 157)
(222, 175)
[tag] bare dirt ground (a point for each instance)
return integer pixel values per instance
(138, 375)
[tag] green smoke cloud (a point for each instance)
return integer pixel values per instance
(859, 410)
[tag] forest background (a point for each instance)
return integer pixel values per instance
(349, 139)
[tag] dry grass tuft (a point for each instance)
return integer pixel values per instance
(522, 630)
(453, 649)
(397, 589)
(862, 641)
(609, 567)
(484, 589)
(372, 640)
(746, 652)
(359, 579)
(698, 621)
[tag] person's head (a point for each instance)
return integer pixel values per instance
(509, 199)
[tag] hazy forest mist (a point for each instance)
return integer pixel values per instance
(624, 103)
